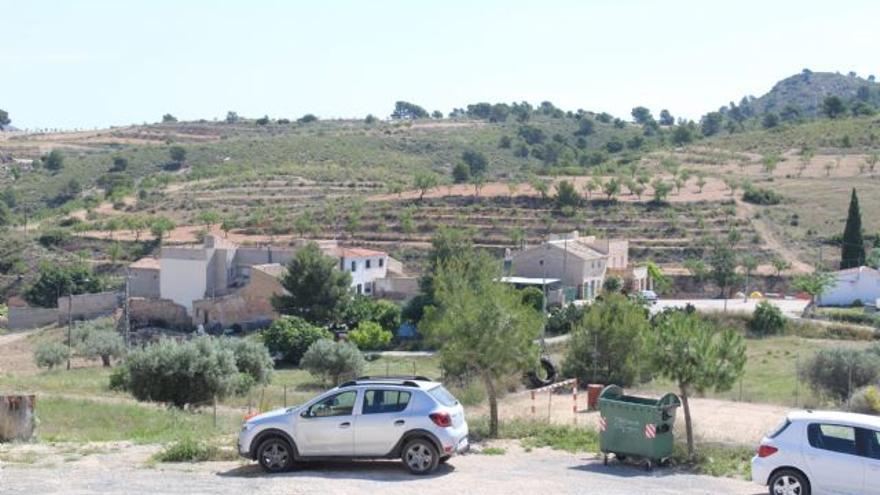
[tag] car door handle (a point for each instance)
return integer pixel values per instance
(344, 425)
(399, 422)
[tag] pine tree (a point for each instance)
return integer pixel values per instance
(853, 249)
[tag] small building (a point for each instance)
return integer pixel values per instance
(249, 306)
(365, 265)
(852, 285)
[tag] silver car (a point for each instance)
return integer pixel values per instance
(411, 418)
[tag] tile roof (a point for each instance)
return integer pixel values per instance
(354, 252)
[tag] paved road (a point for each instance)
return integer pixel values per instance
(793, 308)
(516, 472)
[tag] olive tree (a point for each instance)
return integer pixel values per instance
(481, 326)
(697, 357)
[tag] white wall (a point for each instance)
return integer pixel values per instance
(363, 275)
(183, 281)
(851, 285)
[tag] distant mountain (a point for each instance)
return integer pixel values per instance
(805, 91)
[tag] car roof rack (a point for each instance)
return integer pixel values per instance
(402, 380)
(395, 377)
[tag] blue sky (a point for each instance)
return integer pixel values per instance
(83, 64)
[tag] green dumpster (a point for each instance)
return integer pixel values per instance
(636, 426)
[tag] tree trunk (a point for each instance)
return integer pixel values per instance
(688, 426)
(105, 360)
(493, 404)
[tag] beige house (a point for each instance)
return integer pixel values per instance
(581, 264)
(249, 305)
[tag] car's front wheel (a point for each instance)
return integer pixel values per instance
(789, 482)
(275, 455)
(420, 456)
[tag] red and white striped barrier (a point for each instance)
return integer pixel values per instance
(650, 430)
(573, 383)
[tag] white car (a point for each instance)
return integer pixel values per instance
(820, 452)
(411, 418)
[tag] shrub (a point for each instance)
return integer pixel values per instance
(364, 308)
(288, 338)
(866, 400)
(766, 320)
(50, 355)
(331, 361)
(251, 358)
(103, 345)
(370, 336)
(191, 450)
(838, 371)
(760, 196)
(562, 320)
(533, 297)
(180, 373)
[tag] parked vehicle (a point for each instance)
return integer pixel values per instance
(411, 418)
(820, 452)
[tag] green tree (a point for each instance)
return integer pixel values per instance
(5, 215)
(661, 190)
(461, 173)
(605, 345)
(780, 265)
(424, 182)
(209, 218)
(642, 115)
(54, 161)
(710, 124)
(120, 164)
(407, 110)
(317, 290)
(333, 361)
(691, 352)
(833, 107)
(722, 262)
(682, 135)
(766, 320)
(168, 118)
(666, 118)
(852, 251)
(231, 117)
(770, 120)
(161, 226)
(289, 337)
(177, 154)
(476, 162)
(814, 284)
(567, 195)
(50, 354)
(55, 280)
(4, 118)
(540, 186)
(481, 326)
(611, 188)
(749, 264)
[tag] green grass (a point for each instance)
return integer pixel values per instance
(716, 460)
(78, 381)
(533, 434)
(72, 420)
(192, 450)
(771, 371)
(493, 451)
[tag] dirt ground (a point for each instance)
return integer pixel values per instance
(721, 421)
(125, 469)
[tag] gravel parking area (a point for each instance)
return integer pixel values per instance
(122, 471)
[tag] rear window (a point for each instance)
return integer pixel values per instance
(443, 396)
(779, 429)
(835, 438)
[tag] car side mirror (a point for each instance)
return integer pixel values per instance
(305, 414)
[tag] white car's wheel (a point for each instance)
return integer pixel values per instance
(420, 456)
(789, 482)
(275, 455)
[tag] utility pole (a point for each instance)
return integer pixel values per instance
(126, 318)
(69, 324)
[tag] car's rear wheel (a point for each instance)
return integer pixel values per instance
(445, 459)
(789, 482)
(420, 456)
(275, 455)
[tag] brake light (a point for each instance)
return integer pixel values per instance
(766, 451)
(441, 419)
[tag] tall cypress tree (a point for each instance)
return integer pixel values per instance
(853, 250)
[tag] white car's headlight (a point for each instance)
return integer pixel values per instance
(247, 426)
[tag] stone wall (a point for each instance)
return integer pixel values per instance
(397, 288)
(250, 306)
(21, 318)
(88, 306)
(159, 313)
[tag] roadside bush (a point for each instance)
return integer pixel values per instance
(605, 345)
(332, 361)
(838, 371)
(370, 336)
(183, 373)
(533, 296)
(191, 450)
(866, 400)
(50, 354)
(364, 308)
(289, 337)
(766, 320)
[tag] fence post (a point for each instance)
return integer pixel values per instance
(797, 379)
(285, 396)
(215, 411)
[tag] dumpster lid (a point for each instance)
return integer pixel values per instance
(611, 392)
(669, 400)
(615, 392)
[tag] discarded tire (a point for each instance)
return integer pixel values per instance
(549, 369)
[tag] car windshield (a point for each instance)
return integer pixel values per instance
(443, 396)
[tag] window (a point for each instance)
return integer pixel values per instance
(385, 401)
(354, 266)
(367, 265)
(368, 287)
(835, 438)
(872, 443)
(381, 262)
(342, 263)
(443, 396)
(336, 405)
(360, 288)
(779, 429)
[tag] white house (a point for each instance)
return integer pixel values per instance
(862, 284)
(365, 265)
